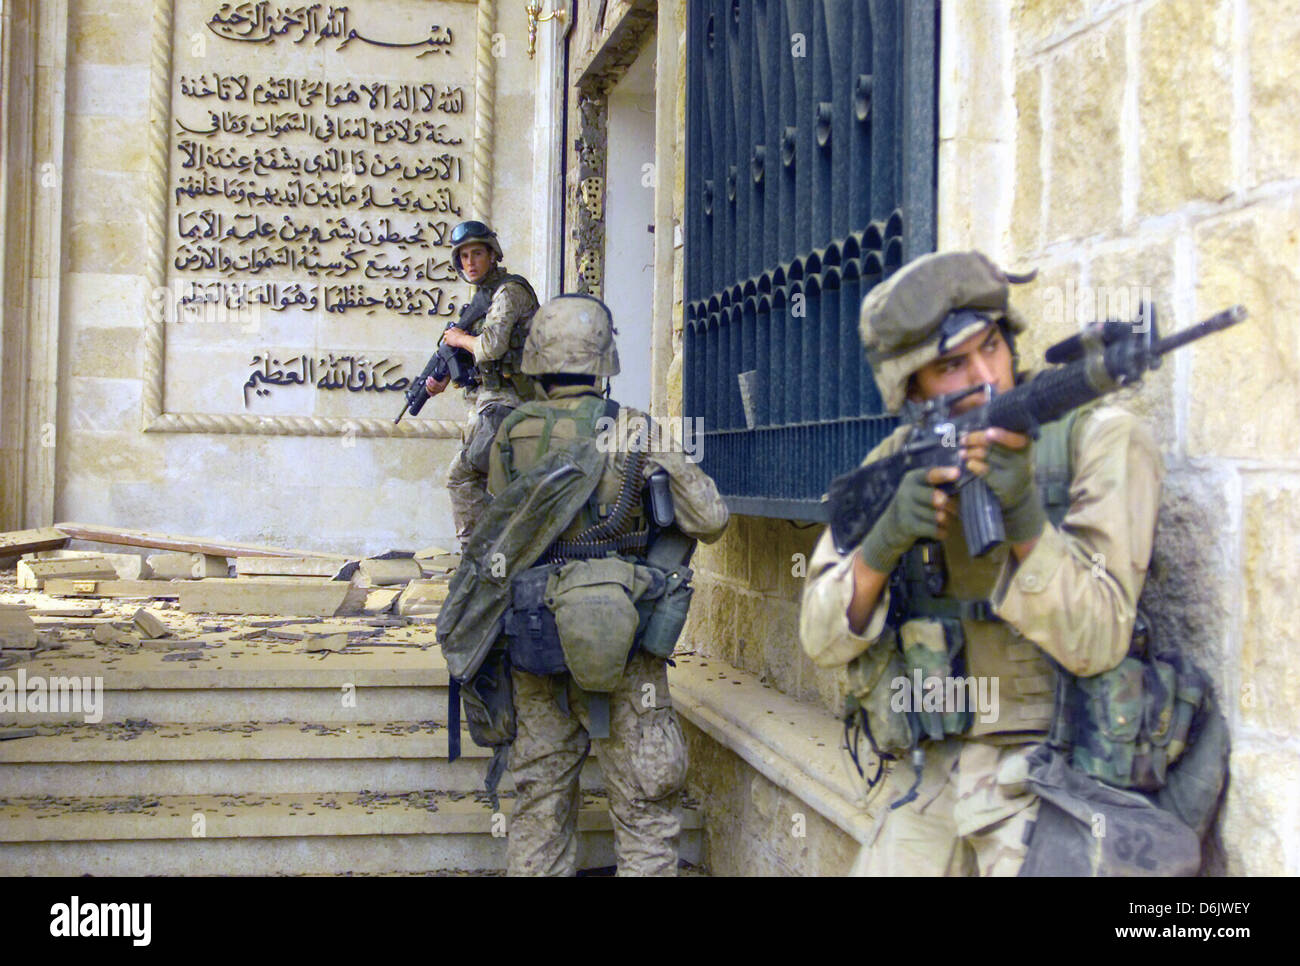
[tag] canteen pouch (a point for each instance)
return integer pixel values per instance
(532, 638)
(668, 614)
(595, 615)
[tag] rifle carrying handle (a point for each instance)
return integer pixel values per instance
(981, 518)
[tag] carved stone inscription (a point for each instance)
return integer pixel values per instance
(319, 157)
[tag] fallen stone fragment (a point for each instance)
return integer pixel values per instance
(317, 643)
(116, 635)
(33, 574)
(422, 598)
(150, 625)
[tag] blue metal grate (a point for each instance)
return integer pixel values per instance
(810, 147)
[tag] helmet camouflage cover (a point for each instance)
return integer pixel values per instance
(470, 233)
(901, 318)
(573, 334)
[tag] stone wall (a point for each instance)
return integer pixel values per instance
(351, 492)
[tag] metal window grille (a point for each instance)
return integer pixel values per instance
(810, 177)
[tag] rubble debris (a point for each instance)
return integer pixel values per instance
(286, 567)
(173, 566)
(129, 566)
(116, 635)
(387, 572)
(305, 596)
(209, 565)
(17, 629)
(380, 601)
(316, 643)
(16, 542)
(422, 597)
(150, 625)
(59, 587)
(167, 541)
(33, 574)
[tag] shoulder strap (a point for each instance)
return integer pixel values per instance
(1052, 470)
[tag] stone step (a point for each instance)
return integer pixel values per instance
(217, 705)
(282, 756)
(279, 834)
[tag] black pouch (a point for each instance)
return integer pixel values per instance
(532, 637)
(490, 702)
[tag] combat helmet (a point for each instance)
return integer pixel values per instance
(927, 307)
(469, 233)
(572, 334)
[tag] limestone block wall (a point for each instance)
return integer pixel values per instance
(324, 492)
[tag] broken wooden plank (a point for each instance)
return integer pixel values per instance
(422, 597)
(385, 573)
(32, 574)
(286, 566)
(17, 542)
(168, 541)
(114, 588)
(305, 596)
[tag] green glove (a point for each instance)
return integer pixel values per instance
(1011, 478)
(910, 517)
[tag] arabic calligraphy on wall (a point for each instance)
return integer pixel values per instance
(319, 156)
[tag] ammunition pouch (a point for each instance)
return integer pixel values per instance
(1126, 726)
(933, 652)
(531, 636)
(585, 617)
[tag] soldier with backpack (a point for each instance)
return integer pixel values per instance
(581, 562)
(1073, 772)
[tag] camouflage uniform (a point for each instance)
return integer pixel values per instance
(644, 758)
(1073, 597)
(503, 390)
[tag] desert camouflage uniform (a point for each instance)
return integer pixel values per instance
(644, 758)
(467, 476)
(1074, 597)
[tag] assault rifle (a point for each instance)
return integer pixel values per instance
(1104, 357)
(446, 362)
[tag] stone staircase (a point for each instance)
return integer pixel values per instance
(255, 758)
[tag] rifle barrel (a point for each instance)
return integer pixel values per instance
(1215, 323)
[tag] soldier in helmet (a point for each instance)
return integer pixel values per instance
(1052, 595)
(492, 328)
(609, 687)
